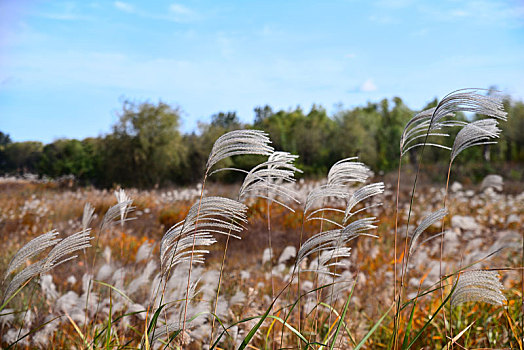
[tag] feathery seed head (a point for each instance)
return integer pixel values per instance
(347, 171)
(478, 285)
(239, 142)
(211, 215)
(360, 195)
(426, 222)
(475, 133)
(87, 217)
(428, 122)
(267, 179)
(32, 249)
(57, 255)
(121, 209)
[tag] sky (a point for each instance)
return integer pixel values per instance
(67, 66)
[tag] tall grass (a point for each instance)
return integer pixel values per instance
(171, 301)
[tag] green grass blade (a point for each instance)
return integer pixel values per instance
(339, 324)
(152, 324)
(343, 324)
(115, 289)
(373, 329)
(341, 318)
(108, 332)
(291, 328)
(255, 328)
(99, 333)
(215, 344)
(419, 333)
(410, 325)
(14, 294)
(33, 331)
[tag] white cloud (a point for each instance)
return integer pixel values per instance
(384, 19)
(65, 11)
(124, 6)
(181, 13)
(179, 9)
(498, 13)
(393, 4)
(175, 12)
(368, 86)
(350, 55)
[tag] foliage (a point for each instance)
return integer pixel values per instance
(146, 148)
(22, 157)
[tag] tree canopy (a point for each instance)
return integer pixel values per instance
(145, 147)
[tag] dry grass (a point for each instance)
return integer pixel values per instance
(28, 209)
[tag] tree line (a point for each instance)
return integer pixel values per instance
(146, 148)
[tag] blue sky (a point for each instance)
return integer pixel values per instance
(65, 67)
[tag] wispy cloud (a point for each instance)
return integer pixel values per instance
(181, 13)
(383, 19)
(175, 12)
(482, 11)
(65, 11)
(393, 4)
(368, 86)
(124, 6)
(350, 55)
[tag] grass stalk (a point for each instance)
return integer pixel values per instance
(192, 254)
(395, 239)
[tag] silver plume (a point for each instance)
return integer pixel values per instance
(347, 171)
(239, 142)
(429, 220)
(427, 123)
(476, 133)
(267, 180)
(59, 254)
(480, 286)
(87, 217)
(31, 249)
(213, 215)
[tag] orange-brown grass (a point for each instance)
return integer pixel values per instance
(371, 261)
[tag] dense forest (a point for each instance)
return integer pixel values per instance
(145, 148)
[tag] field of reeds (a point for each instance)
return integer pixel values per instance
(353, 261)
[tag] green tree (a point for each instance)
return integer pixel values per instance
(23, 157)
(262, 113)
(356, 134)
(4, 141)
(392, 124)
(308, 135)
(513, 131)
(65, 157)
(227, 121)
(145, 147)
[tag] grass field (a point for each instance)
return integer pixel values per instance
(352, 261)
(481, 221)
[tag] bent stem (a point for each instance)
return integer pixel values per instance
(442, 254)
(395, 239)
(192, 253)
(406, 251)
(270, 257)
(296, 269)
(316, 283)
(219, 284)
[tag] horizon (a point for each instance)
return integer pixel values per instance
(67, 66)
